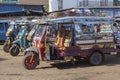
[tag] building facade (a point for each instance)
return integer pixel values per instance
(64, 4)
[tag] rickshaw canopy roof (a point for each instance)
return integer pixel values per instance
(4, 21)
(90, 19)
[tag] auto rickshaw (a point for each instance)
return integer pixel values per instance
(4, 25)
(21, 42)
(11, 35)
(76, 38)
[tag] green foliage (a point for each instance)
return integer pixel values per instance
(46, 8)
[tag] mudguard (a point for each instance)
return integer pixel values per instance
(17, 42)
(30, 49)
(8, 38)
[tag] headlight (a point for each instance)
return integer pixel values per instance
(8, 32)
(29, 38)
(20, 37)
(40, 45)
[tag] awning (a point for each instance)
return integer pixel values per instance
(34, 8)
(18, 10)
(4, 9)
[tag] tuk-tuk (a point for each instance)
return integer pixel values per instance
(11, 35)
(4, 25)
(21, 42)
(76, 38)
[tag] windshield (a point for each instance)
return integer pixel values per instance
(40, 29)
(33, 30)
(21, 29)
(12, 26)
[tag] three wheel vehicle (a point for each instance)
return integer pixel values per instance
(21, 42)
(11, 35)
(72, 38)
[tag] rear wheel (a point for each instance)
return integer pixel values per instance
(14, 50)
(30, 61)
(96, 59)
(6, 47)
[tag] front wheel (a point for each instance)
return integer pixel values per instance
(96, 58)
(6, 47)
(30, 61)
(14, 50)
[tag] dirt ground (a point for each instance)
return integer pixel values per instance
(11, 68)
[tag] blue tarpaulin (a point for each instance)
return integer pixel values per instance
(10, 9)
(18, 9)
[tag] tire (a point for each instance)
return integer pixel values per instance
(30, 65)
(96, 58)
(6, 47)
(14, 50)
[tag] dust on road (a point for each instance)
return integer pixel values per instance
(11, 69)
